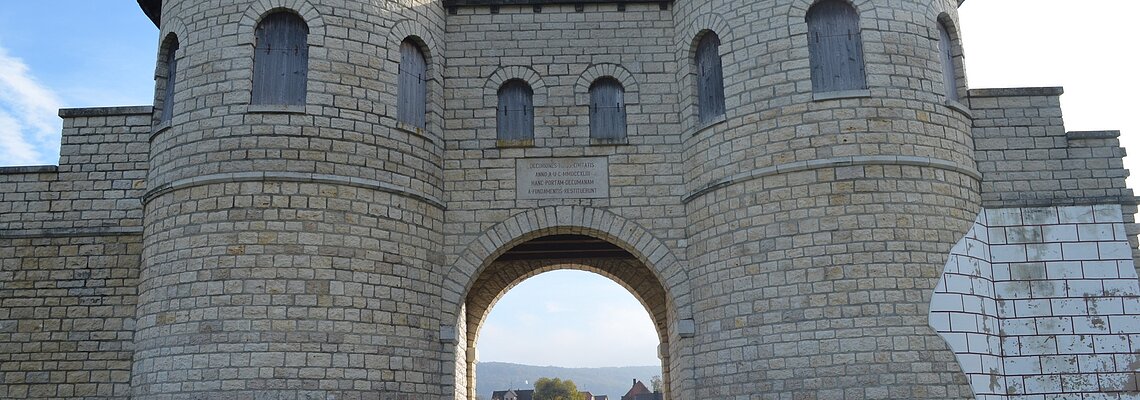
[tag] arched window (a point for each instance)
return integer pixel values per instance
(607, 109)
(411, 107)
(710, 78)
(516, 111)
(281, 60)
(171, 64)
(836, 47)
(949, 69)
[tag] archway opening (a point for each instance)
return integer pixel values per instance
(526, 259)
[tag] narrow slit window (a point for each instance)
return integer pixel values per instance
(516, 111)
(168, 88)
(836, 47)
(411, 105)
(710, 78)
(949, 69)
(607, 109)
(281, 60)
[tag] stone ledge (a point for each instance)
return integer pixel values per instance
(1124, 200)
(832, 163)
(29, 169)
(301, 177)
(71, 232)
(104, 111)
(1015, 92)
(959, 107)
(1089, 135)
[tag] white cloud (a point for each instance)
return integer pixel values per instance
(29, 126)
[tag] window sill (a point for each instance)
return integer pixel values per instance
(512, 143)
(609, 142)
(276, 109)
(841, 94)
(959, 107)
(702, 127)
(413, 129)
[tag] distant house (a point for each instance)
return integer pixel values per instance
(640, 392)
(512, 395)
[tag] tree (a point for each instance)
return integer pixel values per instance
(655, 381)
(555, 389)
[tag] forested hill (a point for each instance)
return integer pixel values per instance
(612, 381)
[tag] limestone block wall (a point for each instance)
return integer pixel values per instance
(96, 186)
(70, 242)
(1043, 303)
(1028, 159)
(820, 222)
(559, 50)
(293, 250)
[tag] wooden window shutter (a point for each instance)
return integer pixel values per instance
(710, 78)
(949, 70)
(411, 107)
(281, 60)
(607, 109)
(516, 111)
(171, 74)
(836, 47)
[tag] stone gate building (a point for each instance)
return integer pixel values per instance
(328, 196)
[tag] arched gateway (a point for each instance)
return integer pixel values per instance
(579, 238)
(875, 239)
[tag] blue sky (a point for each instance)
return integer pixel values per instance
(82, 53)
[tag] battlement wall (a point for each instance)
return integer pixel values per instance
(1028, 159)
(70, 245)
(97, 186)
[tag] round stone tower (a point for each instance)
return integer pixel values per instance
(293, 215)
(824, 203)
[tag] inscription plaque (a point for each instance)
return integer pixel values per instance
(562, 178)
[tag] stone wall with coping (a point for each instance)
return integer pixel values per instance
(70, 242)
(98, 183)
(1028, 159)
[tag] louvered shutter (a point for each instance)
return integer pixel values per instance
(710, 78)
(171, 75)
(412, 92)
(607, 110)
(281, 60)
(516, 111)
(836, 47)
(949, 71)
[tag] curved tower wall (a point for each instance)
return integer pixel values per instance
(820, 226)
(292, 252)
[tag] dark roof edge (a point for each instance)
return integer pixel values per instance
(152, 9)
(457, 3)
